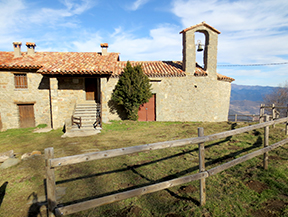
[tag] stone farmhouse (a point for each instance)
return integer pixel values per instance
(50, 87)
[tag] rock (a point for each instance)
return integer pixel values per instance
(9, 163)
(4, 156)
(27, 155)
(36, 153)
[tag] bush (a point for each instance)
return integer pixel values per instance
(132, 90)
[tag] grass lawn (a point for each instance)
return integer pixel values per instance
(243, 190)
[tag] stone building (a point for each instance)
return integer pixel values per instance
(49, 87)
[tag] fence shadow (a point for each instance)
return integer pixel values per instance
(34, 209)
(133, 168)
(2, 192)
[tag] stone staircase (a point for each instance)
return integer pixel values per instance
(88, 113)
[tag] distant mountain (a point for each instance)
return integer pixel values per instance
(247, 99)
(251, 93)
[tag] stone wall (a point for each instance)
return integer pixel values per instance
(37, 93)
(180, 99)
(66, 94)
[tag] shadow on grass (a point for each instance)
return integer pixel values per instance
(2, 192)
(133, 168)
(34, 209)
(141, 165)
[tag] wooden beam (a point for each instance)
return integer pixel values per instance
(50, 181)
(266, 144)
(246, 157)
(202, 168)
(66, 210)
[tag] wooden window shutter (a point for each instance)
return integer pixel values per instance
(20, 80)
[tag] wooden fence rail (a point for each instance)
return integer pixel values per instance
(274, 112)
(238, 117)
(52, 163)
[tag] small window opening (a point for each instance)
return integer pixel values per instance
(20, 80)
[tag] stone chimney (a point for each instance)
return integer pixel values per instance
(30, 48)
(104, 47)
(17, 49)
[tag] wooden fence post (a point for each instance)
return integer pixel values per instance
(261, 113)
(273, 114)
(50, 182)
(235, 117)
(266, 144)
(286, 128)
(202, 168)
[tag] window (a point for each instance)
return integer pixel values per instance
(20, 80)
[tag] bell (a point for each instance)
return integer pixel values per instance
(200, 48)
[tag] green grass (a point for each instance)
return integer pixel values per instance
(243, 190)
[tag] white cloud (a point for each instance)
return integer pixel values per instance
(18, 22)
(251, 30)
(137, 4)
(164, 43)
(89, 42)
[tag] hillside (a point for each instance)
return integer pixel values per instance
(243, 190)
(246, 99)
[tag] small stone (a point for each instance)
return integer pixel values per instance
(25, 156)
(36, 153)
(9, 163)
(4, 156)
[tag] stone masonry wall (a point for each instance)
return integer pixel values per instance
(70, 92)
(37, 93)
(65, 93)
(181, 99)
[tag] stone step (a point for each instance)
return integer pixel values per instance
(87, 106)
(86, 110)
(86, 114)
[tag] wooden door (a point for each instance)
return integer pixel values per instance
(90, 88)
(26, 116)
(146, 111)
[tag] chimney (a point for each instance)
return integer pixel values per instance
(104, 47)
(30, 48)
(17, 49)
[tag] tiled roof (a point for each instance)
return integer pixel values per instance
(154, 68)
(61, 62)
(85, 63)
(200, 24)
(79, 63)
(7, 61)
(165, 69)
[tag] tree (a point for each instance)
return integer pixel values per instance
(279, 97)
(132, 90)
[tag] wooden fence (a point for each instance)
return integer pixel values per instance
(274, 112)
(52, 163)
(248, 118)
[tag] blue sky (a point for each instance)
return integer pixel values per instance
(251, 31)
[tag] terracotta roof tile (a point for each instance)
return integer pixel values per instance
(81, 63)
(153, 68)
(61, 62)
(104, 45)
(30, 44)
(165, 69)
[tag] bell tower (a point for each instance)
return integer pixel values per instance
(209, 49)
